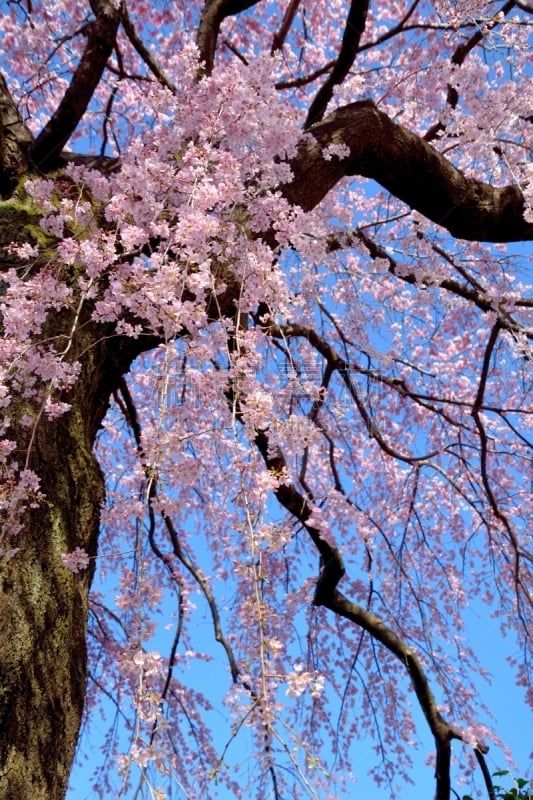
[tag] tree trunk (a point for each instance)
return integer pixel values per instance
(43, 613)
(43, 605)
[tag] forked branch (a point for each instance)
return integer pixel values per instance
(213, 14)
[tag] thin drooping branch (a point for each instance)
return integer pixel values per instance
(344, 368)
(410, 169)
(475, 294)
(130, 413)
(332, 571)
(101, 34)
(129, 410)
(213, 14)
(355, 26)
(519, 553)
(327, 595)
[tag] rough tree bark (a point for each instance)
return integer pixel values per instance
(43, 606)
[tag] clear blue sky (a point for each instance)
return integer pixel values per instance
(512, 720)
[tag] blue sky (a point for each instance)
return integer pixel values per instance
(512, 721)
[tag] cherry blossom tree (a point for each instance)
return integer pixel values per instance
(265, 373)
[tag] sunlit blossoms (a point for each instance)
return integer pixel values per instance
(76, 560)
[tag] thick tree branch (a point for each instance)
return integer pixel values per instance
(408, 167)
(400, 161)
(101, 34)
(288, 18)
(328, 596)
(213, 14)
(355, 26)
